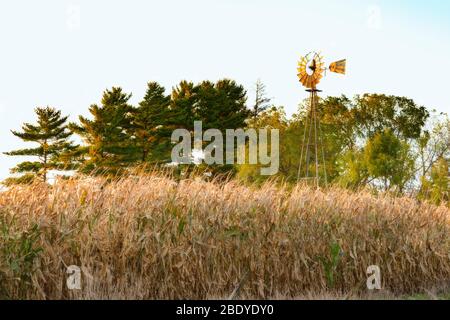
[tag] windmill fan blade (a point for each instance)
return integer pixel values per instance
(310, 69)
(304, 79)
(339, 66)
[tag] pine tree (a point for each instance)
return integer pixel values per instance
(183, 105)
(219, 105)
(110, 144)
(222, 105)
(150, 128)
(51, 134)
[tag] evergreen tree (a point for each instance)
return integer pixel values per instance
(219, 105)
(150, 128)
(51, 135)
(108, 136)
(183, 105)
(222, 105)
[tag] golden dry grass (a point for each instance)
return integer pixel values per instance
(149, 237)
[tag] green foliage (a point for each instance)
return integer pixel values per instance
(330, 263)
(436, 187)
(22, 180)
(433, 154)
(120, 136)
(387, 158)
(367, 140)
(51, 135)
(373, 139)
(221, 105)
(338, 120)
(18, 254)
(108, 135)
(183, 105)
(353, 172)
(273, 118)
(337, 134)
(375, 113)
(150, 125)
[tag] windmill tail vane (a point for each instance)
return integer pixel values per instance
(339, 66)
(311, 69)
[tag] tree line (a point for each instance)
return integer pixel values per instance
(385, 142)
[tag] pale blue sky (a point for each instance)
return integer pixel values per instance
(65, 53)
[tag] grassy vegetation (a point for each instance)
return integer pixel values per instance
(151, 237)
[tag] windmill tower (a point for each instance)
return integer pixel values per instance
(310, 71)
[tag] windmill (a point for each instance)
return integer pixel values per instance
(311, 69)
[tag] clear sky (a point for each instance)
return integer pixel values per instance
(65, 53)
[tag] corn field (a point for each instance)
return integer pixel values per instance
(153, 237)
